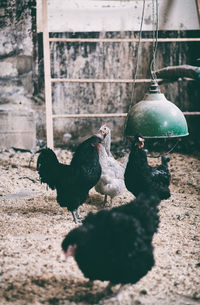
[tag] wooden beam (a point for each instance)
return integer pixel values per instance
(175, 72)
(198, 8)
(47, 76)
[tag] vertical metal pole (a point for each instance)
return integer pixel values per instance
(47, 76)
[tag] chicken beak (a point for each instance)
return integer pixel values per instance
(100, 135)
(103, 130)
(63, 256)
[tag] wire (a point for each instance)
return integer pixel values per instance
(140, 37)
(136, 67)
(155, 38)
(169, 151)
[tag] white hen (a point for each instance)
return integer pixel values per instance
(111, 182)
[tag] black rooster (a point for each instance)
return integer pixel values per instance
(72, 182)
(140, 177)
(116, 245)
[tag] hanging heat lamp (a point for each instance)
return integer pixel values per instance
(155, 116)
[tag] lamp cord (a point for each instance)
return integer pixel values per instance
(136, 67)
(137, 57)
(169, 151)
(155, 46)
(155, 22)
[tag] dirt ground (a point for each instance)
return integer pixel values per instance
(33, 226)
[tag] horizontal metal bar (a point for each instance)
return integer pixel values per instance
(122, 39)
(16, 131)
(89, 115)
(88, 80)
(191, 113)
(103, 115)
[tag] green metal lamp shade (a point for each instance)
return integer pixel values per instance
(156, 117)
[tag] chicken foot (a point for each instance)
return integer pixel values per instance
(76, 216)
(117, 291)
(106, 201)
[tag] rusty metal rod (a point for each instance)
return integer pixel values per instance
(90, 115)
(88, 80)
(105, 115)
(122, 39)
(191, 112)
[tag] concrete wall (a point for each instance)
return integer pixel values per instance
(83, 18)
(114, 61)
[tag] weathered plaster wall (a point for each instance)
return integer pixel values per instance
(17, 28)
(16, 48)
(117, 15)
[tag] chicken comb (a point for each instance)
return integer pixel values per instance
(104, 125)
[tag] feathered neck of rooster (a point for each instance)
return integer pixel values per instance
(138, 148)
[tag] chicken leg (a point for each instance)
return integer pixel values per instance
(76, 216)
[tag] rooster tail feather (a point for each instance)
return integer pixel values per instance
(47, 167)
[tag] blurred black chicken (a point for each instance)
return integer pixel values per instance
(72, 182)
(116, 245)
(140, 177)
